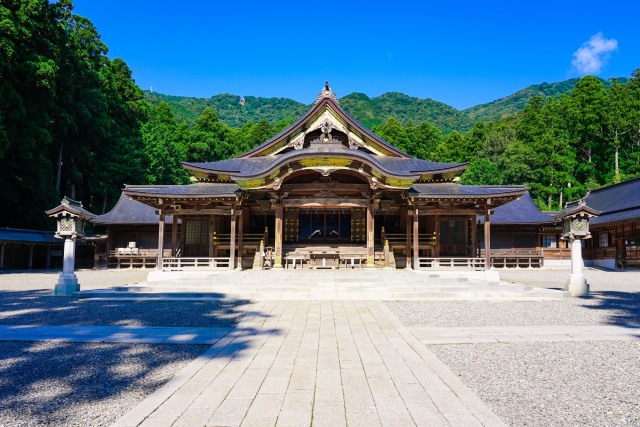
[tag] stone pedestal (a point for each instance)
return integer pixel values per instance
(67, 285)
(577, 286)
(67, 281)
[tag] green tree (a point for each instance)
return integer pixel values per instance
(482, 171)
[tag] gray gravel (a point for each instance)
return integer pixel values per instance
(62, 384)
(615, 300)
(593, 383)
(88, 279)
(78, 384)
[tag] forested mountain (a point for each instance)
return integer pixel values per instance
(516, 102)
(229, 108)
(369, 111)
(73, 122)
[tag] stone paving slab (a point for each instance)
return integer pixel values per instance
(476, 334)
(113, 334)
(326, 363)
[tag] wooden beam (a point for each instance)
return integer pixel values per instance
(160, 240)
(189, 211)
(416, 241)
(436, 234)
(243, 214)
(370, 236)
(278, 249)
(174, 235)
(232, 243)
(321, 201)
(318, 186)
(450, 212)
(408, 231)
(487, 240)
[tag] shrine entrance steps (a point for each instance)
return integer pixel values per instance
(346, 284)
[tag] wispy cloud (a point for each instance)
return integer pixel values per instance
(592, 55)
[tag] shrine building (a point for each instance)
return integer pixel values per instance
(323, 193)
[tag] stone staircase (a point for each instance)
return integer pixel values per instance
(354, 284)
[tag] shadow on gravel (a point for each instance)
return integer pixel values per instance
(56, 383)
(623, 308)
(40, 308)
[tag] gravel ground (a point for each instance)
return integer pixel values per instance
(615, 300)
(64, 384)
(89, 279)
(80, 384)
(26, 299)
(589, 383)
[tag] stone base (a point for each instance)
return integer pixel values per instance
(67, 285)
(578, 286)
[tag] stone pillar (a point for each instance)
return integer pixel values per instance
(160, 241)
(577, 285)
(277, 263)
(487, 240)
(67, 281)
(416, 240)
(370, 237)
(174, 236)
(232, 242)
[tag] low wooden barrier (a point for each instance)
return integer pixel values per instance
(452, 263)
(185, 263)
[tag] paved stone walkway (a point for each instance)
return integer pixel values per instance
(326, 363)
(471, 335)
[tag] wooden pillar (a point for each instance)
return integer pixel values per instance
(241, 220)
(232, 242)
(278, 237)
(408, 231)
(174, 236)
(160, 241)
(213, 249)
(370, 237)
(436, 235)
(487, 240)
(30, 261)
(474, 236)
(416, 240)
(48, 257)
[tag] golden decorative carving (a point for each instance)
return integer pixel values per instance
(248, 184)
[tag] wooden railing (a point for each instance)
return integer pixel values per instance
(556, 254)
(452, 263)
(399, 240)
(135, 257)
(184, 263)
(599, 253)
(248, 240)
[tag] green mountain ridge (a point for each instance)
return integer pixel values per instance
(369, 111)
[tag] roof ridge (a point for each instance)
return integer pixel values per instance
(609, 186)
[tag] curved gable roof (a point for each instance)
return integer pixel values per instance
(325, 100)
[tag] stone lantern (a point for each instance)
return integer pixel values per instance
(575, 228)
(71, 217)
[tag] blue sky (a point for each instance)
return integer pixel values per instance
(462, 53)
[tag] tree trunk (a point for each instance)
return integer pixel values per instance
(59, 167)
